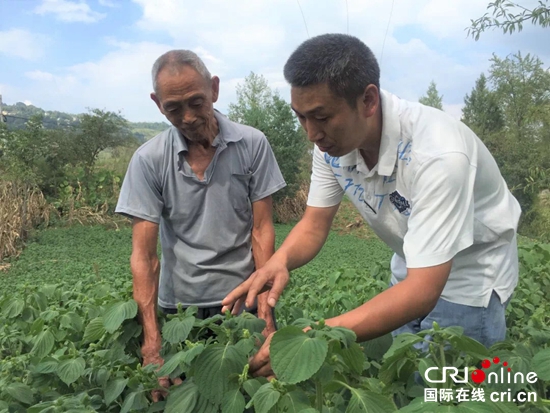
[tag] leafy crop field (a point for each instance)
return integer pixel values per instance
(69, 341)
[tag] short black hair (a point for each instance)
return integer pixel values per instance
(342, 61)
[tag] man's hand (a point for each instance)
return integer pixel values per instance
(272, 277)
(269, 327)
(152, 356)
(260, 363)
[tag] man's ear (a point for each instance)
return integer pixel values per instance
(370, 100)
(157, 101)
(215, 88)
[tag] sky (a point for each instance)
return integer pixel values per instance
(71, 55)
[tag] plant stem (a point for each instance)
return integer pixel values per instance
(319, 396)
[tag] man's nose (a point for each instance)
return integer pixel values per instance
(314, 133)
(189, 117)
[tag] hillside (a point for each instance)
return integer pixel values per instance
(18, 114)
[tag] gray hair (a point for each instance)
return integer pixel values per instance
(175, 59)
(342, 61)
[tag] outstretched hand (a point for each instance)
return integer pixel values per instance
(260, 363)
(153, 357)
(272, 277)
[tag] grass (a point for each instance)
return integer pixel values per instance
(82, 252)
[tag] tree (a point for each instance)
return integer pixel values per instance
(510, 17)
(481, 111)
(521, 86)
(432, 97)
(100, 130)
(259, 107)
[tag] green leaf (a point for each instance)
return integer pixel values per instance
(214, 367)
(113, 389)
(128, 402)
(365, 401)
(401, 343)
(233, 402)
(94, 331)
(13, 308)
(354, 358)
(20, 392)
(295, 357)
(157, 407)
(172, 364)
(43, 344)
(376, 348)
(541, 364)
(46, 366)
(474, 407)
(70, 370)
(251, 323)
(251, 386)
(116, 314)
(294, 402)
(265, 398)
(71, 320)
(469, 346)
(205, 406)
(245, 346)
(344, 335)
(183, 398)
(176, 330)
(502, 407)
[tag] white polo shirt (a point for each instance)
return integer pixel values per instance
(436, 194)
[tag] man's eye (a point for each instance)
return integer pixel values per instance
(196, 104)
(321, 118)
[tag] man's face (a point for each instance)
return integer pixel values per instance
(329, 120)
(187, 100)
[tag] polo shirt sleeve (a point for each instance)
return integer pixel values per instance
(266, 176)
(441, 223)
(324, 190)
(141, 192)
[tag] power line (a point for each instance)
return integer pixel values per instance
(386, 35)
(347, 15)
(303, 17)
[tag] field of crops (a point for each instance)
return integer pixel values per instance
(69, 341)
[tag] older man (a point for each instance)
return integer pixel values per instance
(205, 185)
(424, 183)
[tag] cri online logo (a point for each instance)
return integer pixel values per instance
(479, 376)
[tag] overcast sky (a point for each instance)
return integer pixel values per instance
(69, 55)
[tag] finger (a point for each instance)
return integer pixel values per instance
(157, 395)
(177, 381)
(265, 371)
(257, 286)
(262, 356)
(258, 361)
(279, 284)
(164, 381)
(238, 292)
(237, 306)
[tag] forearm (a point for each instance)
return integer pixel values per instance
(145, 272)
(302, 244)
(412, 298)
(263, 246)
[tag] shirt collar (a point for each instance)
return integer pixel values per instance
(228, 133)
(391, 133)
